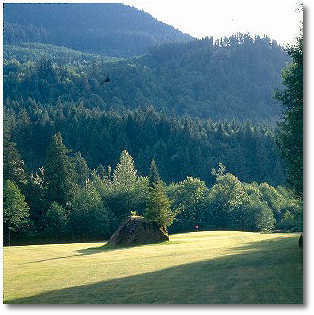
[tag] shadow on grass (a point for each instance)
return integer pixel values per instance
(98, 249)
(108, 247)
(49, 259)
(265, 272)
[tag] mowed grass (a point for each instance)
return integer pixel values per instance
(200, 267)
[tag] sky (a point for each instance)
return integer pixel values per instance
(276, 18)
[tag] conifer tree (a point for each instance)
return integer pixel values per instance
(126, 187)
(81, 169)
(153, 174)
(125, 174)
(158, 207)
(58, 172)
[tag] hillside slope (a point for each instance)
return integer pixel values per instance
(230, 79)
(109, 29)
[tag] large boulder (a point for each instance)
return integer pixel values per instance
(136, 231)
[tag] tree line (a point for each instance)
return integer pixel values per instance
(182, 146)
(66, 200)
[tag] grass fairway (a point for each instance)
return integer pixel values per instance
(200, 267)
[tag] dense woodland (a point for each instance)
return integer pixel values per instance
(232, 78)
(181, 146)
(92, 134)
(65, 200)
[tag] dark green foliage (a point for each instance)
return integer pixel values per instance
(158, 207)
(199, 79)
(15, 209)
(56, 221)
(81, 170)
(153, 177)
(33, 52)
(88, 217)
(36, 196)
(189, 202)
(290, 128)
(13, 165)
(227, 198)
(58, 172)
(110, 29)
(126, 191)
(97, 207)
(233, 205)
(181, 147)
(183, 106)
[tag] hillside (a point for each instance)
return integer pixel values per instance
(108, 29)
(34, 52)
(216, 267)
(230, 79)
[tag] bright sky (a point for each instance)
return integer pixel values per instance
(276, 18)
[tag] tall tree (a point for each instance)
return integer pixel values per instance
(125, 174)
(127, 190)
(81, 169)
(158, 207)
(58, 172)
(290, 131)
(153, 174)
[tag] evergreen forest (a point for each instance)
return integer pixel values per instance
(123, 113)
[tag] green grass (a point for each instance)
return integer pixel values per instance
(200, 267)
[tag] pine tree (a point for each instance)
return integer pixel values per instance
(81, 169)
(127, 188)
(153, 174)
(58, 172)
(125, 174)
(158, 207)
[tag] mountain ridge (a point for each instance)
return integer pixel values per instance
(109, 29)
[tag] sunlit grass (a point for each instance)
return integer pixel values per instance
(200, 267)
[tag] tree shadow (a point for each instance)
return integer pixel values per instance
(108, 247)
(265, 272)
(49, 259)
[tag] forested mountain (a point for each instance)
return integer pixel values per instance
(232, 78)
(86, 84)
(108, 29)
